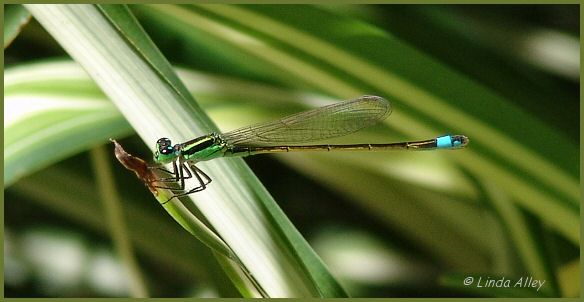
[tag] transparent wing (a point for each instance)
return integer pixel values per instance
(317, 124)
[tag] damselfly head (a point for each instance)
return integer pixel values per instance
(165, 152)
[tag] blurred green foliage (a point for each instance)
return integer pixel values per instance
(498, 65)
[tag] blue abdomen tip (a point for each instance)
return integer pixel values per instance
(444, 142)
(451, 142)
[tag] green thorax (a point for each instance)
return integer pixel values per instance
(203, 148)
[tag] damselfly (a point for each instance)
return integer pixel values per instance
(289, 134)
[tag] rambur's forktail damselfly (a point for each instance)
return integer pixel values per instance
(289, 134)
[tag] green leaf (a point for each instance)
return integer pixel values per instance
(412, 209)
(15, 17)
(344, 57)
(240, 210)
(53, 111)
(519, 232)
(73, 195)
(224, 98)
(529, 167)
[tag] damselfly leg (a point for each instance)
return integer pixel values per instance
(180, 173)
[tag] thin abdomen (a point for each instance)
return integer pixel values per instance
(246, 151)
(443, 142)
